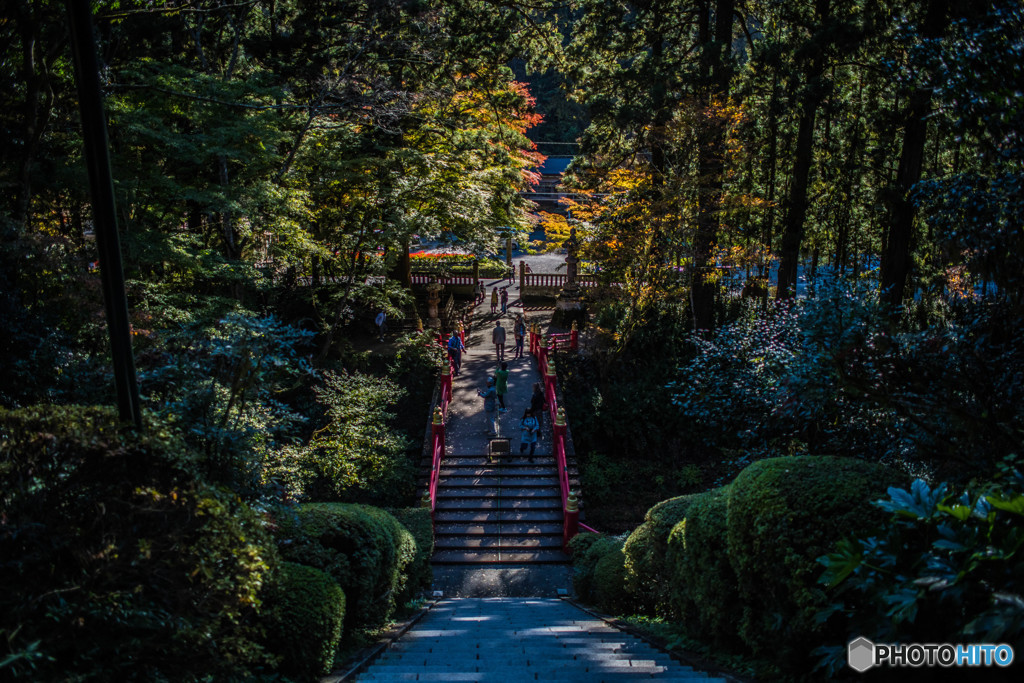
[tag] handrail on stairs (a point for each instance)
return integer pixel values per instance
(570, 503)
(437, 428)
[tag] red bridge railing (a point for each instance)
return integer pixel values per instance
(570, 504)
(437, 429)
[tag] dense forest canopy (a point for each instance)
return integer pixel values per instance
(805, 218)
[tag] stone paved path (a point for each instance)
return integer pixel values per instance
(517, 640)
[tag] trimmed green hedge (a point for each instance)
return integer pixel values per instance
(610, 583)
(645, 553)
(305, 613)
(586, 550)
(119, 559)
(419, 571)
(703, 593)
(784, 513)
(365, 549)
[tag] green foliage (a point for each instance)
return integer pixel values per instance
(645, 552)
(365, 549)
(783, 513)
(703, 594)
(944, 568)
(218, 381)
(419, 572)
(118, 560)
(610, 594)
(357, 455)
(304, 617)
(588, 550)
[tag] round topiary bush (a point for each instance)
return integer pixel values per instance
(587, 551)
(703, 588)
(118, 561)
(646, 572)
(419, 573)
(610, 583)
(305, 612)
(363, 548)
(783, 513)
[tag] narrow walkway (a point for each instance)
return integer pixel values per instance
(518, 640)
(506, 510)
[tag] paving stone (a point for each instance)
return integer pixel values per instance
(512, 640)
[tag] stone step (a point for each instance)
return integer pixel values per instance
(499, 491)
(495, 542)
(513, 460)
(542, 556)
(494, 528)
(503, 515)
(508, 481)
(487, 504)
(524, 469)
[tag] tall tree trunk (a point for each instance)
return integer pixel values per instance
(711, 167)
(796, 202)
(768, 222)
(896, 258)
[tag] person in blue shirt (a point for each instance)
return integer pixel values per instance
(490, 397)
(528, 437)
(455, 349)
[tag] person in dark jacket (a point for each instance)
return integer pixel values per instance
(538, 404)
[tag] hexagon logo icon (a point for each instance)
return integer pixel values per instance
(860, 654)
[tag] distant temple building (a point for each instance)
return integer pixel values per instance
(546, 192)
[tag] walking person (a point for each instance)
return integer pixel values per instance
(501, 386)
(494, 300)
(455, 349)
(490, 397)
(519, 332)
(538, 404)
(382, 323)
(504, 300)
(498, 339)
(480, 292)
(528, 436)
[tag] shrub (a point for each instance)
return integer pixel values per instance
(306, 610)
(610, 584)
(945, 568)
(419, 572)
(118, 561)
(363, 548)
(702, 589)
(587, 550)
(357, 454)
(647, 573)
(783, 513)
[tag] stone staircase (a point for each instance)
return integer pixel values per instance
(508, 511)
(513, 640)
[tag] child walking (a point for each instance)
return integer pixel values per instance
(529, 433)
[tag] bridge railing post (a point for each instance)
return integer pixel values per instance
(437, 453)
(571, 525)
